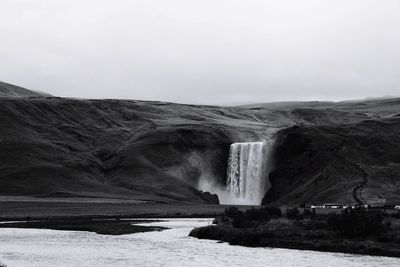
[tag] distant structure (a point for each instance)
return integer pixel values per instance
(332, 206)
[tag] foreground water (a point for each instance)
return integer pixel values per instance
(173, 247)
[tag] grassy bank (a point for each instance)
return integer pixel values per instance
(352, 231)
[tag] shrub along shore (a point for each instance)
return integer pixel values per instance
(360, 231)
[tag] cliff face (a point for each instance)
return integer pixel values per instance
(156, 151)
(355, 163)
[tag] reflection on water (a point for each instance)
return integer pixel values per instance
(173, 247)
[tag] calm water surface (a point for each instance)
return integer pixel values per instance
(173, 247)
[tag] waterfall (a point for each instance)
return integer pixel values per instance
(246, 181)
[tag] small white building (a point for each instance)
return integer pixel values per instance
(332, 206)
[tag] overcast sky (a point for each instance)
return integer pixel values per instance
(203, 51)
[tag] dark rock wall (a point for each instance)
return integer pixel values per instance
(350, 164)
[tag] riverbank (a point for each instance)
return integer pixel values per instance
(99, 226)
(371, 234)
(55, 208)
(102, 216)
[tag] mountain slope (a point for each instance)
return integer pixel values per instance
(111, 148)
(9, 90)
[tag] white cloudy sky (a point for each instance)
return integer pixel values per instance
(203, 51)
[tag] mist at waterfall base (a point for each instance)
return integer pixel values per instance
(247, 181)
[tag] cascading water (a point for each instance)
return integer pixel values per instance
(248, 167)
(246, 175)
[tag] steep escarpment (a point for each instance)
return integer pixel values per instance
(357, 163)
(117, 148)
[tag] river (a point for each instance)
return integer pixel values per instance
(172, 247)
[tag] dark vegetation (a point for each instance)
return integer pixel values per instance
(362, 231)
(350, 222)
(250, 217)
(359, 223)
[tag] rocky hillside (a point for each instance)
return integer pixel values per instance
(157, 151)
(356, 163)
